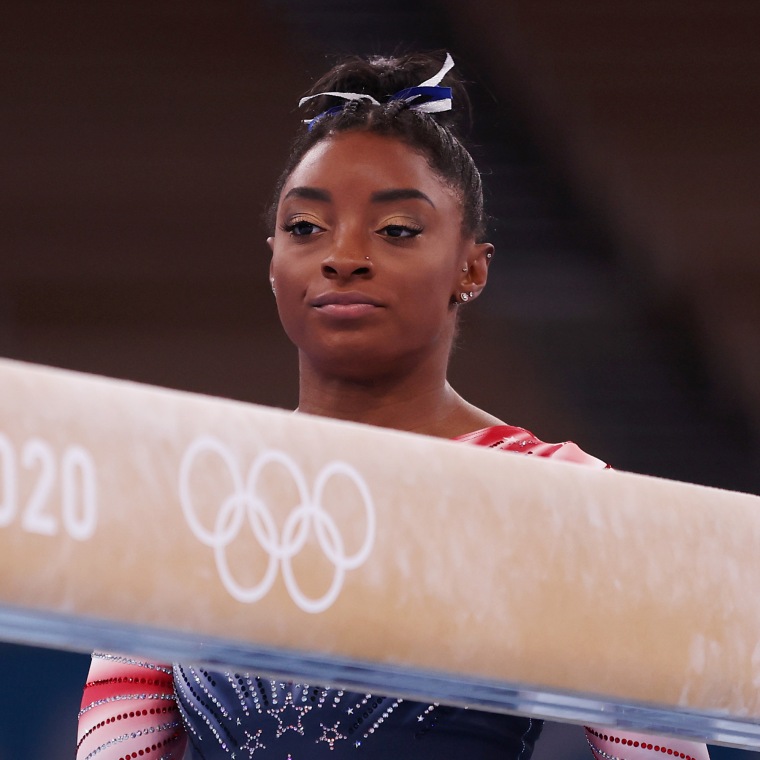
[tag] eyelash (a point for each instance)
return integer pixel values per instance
(293, 227)
(412, 230)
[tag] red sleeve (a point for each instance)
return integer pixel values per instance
(521, 441)
(608, 743)
(129, 711)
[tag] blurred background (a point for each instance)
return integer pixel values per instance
(618, 142)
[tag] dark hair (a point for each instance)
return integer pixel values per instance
(435, 136)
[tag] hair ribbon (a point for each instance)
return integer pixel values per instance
(426, 97)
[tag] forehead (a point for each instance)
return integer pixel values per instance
(362, 162)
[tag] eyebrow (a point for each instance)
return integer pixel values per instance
(381, 196)
(309, 194)
(400, 194)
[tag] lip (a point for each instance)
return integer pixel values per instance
(344, 298)
(346, 304)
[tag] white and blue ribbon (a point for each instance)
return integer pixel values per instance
(426, 97)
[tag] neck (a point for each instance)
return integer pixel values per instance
(419, 401)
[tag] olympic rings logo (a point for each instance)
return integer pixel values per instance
(280, 547)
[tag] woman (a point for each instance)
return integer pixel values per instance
(377, 244)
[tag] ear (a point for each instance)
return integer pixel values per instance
(270, 243)
(474, 272)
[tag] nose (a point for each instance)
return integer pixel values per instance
(347, 260)
(343, 269)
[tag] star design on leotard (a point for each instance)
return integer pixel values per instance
(330, 734)
(249, 746)
(277, 714)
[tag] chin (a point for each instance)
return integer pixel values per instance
(355, 363)
(353, 366)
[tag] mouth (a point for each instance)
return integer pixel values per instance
(348, 304)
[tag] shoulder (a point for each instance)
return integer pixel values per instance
(516, 439)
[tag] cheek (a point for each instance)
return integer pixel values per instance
(426, 299)
(289, 287)
(441, 277)
(290, 271)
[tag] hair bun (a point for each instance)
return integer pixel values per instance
(380, 77)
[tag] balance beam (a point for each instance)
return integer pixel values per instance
(182, 527)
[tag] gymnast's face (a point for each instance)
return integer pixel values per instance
(368, 256)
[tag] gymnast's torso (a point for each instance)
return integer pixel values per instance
(147, 709)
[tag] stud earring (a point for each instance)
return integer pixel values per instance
(271, 282)
(464, 297)
(489, 255)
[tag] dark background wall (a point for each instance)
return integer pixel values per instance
(618, 143)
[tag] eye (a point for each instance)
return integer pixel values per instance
(399, 231)
(301, 228)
